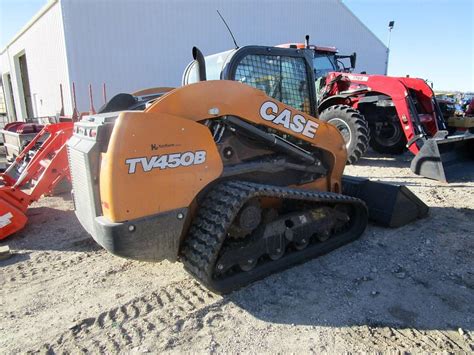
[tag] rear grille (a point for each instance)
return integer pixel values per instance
(82, 185)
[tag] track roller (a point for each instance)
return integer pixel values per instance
(304, 224)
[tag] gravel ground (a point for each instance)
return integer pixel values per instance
(407, 289)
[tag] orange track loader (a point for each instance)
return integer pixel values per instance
(235, 177)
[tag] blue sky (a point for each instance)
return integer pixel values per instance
(432, 39)
(14, 14)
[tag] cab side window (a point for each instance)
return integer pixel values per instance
(323, 65)
(283, 78)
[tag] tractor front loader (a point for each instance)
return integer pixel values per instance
(226, 176)
(403, 113)
(36, 171)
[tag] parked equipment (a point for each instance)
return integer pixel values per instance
(236, 181)
(35, 172)
(402, 113)
(17, 135)
(39, 158)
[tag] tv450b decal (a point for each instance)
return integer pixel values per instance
(166, 161)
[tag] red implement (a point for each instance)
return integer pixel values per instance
(38, 169)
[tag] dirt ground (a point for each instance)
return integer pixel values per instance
(407, 289)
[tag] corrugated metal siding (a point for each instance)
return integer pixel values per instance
(143, 43)
(43, 44)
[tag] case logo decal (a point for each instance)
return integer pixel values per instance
(297, 123)
(166, 161)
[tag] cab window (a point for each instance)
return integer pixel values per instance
(283, 78)
(323, 64)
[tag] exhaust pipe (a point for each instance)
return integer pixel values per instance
(197, 55)
(306, 41)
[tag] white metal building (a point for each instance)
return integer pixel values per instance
(130, 45)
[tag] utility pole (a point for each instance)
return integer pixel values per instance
(391, 24)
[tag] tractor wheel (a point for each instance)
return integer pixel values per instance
(353, 128)
(388, 138)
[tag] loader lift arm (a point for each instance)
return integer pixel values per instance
(34, 173)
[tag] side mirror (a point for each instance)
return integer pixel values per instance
(353, 58)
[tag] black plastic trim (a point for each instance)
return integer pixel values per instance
(152, 238)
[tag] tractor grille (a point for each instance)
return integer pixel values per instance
(82, 185)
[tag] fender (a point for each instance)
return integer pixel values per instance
(340, 99)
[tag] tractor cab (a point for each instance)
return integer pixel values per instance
(327, 65)
(326, 59)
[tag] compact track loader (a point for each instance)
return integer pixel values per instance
(231, 179)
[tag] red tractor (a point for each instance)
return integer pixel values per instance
(401, 113)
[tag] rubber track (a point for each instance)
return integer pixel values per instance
(219, 208)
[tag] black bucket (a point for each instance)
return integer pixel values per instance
(446, 158)
(389, 205)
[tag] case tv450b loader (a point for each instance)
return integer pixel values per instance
(235, 182)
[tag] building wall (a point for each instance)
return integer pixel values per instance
(3, 107)
(131, 45)
(43, 44)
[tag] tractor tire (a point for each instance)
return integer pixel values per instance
(353, 127)
(388, 140)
